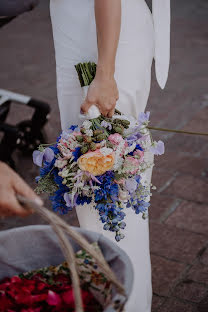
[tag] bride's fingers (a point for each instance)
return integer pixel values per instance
(111, 113)
(86, 106)
(103, 111)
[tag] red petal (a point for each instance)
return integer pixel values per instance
(53, 298)
(68, 298)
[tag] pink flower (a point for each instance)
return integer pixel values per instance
(75, 133)
(131, 164)
(115, 138)
(121, 181)
(140, 154)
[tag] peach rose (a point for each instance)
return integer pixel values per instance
(96, 163)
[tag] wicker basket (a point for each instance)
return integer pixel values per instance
(28, 248)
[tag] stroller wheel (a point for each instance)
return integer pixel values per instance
(29, 139)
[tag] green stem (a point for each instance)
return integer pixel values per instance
(50, 144)
(177, 131)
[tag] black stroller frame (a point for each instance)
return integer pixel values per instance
(27, 134)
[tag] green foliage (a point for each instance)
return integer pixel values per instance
(46, 185)
(86, 73)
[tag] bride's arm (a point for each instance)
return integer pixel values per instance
(108, 21)
(103, 91)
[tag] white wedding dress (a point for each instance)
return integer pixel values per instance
(143, 36)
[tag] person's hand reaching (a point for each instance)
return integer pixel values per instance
(12, 184)
(103, 93)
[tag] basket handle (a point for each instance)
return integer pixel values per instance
(59, 226)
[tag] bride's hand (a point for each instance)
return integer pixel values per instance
(103, 93)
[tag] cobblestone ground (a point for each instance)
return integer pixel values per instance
(179, 213)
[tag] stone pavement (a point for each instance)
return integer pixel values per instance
(179, 212)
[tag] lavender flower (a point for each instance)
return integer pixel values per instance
(158, 148)
(46, 156)
(70, 200)
(134, 137)
(144, 117)
(131, 185)
(106, 125)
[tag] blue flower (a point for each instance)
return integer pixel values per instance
(106, 227)
(58, 202)
(73, 127)
(81, 200)
(138, 147)
(141, 206)
(47, 167)
(122, 225)
(114, 191)
(77, 153)
(104, 218)
(100, 194)
(55, 149)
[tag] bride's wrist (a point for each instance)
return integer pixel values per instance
(105, 71)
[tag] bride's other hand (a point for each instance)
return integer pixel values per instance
(103, 93)
(10, 185)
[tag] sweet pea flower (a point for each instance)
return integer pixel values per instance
(134, 137)
(131, 185)
(143, 117)
(46, 156)
(69, 199)
(158, 148)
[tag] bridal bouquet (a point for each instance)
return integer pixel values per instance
(99, 164)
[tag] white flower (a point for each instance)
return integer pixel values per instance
(89, 132)
(60, 163)
(124, 196)
(93, 112)
(130, 148)
(87, 124)
(119, 155)
(106, 151)
(64, 173)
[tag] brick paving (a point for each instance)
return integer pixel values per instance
(179, 212)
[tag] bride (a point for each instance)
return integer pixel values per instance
(122, 37)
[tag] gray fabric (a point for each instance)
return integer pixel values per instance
(16, 7)
(32, 247)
